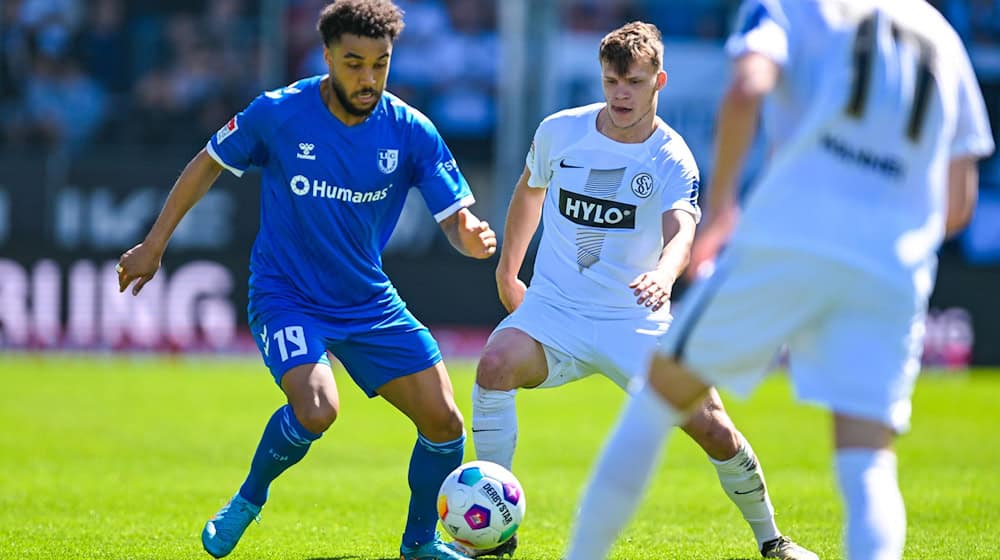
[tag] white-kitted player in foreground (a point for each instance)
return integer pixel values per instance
(876, 123)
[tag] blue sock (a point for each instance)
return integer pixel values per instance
(284, 443)
(429, 465)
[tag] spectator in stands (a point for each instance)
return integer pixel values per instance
(62, 107)
(106, 47)
(463, 101)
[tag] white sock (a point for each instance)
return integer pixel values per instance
(743, 481)
(494, 425)
(622, 474)
(876, 516)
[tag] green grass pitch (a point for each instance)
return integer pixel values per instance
(125, 458)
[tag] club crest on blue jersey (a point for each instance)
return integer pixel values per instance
(387, 160)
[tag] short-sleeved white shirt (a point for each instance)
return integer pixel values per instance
(860, 148)
(602, 215)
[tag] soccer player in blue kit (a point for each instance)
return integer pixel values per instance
(337, 155)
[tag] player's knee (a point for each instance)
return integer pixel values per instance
(444, 425)
(318, 419)
(494, 371)
(714, 431)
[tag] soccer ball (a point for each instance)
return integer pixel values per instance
(481, 504)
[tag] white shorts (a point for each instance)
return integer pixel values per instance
(577, 346)
(854, 340)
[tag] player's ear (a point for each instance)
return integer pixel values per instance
(328, 55)
(661, 79)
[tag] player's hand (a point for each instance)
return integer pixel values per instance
(652, 289)
(138, 264)
(708, 242)
(476, 236)
(703, 253)
(511, 290)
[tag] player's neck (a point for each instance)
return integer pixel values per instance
(635, 133)
(335, 107)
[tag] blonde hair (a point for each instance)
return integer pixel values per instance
(632, 42)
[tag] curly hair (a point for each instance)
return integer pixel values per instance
(631, 42)
(364, 18)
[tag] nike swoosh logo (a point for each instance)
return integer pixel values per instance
(757, 489)
(564, 165)
(475, 431)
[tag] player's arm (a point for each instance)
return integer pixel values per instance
(963, 191)
(653, 288)
(141, 262)
(469, 235)
(523, 216)
(972, 141)
(754, 76)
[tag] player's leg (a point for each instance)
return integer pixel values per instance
(623, 349)
(630, 456)
(741, 476)
(730, 324)
(511, 359)
(866, 472)
(538, 345)
(427, 398)
(402, 363)
(870, 399)
(736, 465)
(313, 405)
(299, 364)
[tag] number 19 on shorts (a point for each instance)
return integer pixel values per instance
(290, 340)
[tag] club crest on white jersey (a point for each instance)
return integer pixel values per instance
(642, 185)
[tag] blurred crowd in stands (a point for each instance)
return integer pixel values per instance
(78, 71)
(155, 72)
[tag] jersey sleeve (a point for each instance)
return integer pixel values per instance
(682, 187)
(537, 160)
(436, 173)
(973, 136)
(239, 143)
(759, 30)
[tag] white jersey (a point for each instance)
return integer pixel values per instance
(875, 97)
(602, 215)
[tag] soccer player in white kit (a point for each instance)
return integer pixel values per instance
(617, 189)
(876, 123)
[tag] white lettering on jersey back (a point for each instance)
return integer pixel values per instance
(873, 97)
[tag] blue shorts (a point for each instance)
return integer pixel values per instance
(373, 355)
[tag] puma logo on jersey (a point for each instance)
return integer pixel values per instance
(596, 212)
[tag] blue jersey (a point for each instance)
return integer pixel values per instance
(331, 194)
